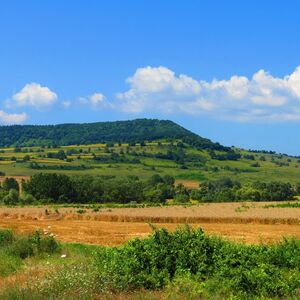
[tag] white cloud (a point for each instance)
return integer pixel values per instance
(294, 82)
(7, 119)
(97, 100)
(236, 87)
(155, 80)
(33, 94)
(262, 97)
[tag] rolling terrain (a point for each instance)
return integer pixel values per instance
(140, 147)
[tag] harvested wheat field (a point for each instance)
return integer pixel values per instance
(247, 222)
(116, 233)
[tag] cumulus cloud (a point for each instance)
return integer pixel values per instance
(8, 119)
(33, 94)
(261, 97)
(97, 100)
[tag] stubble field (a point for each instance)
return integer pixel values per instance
(243, 222)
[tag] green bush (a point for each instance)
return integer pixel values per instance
(182, 198)
(189, 260)
(44, 244)
(49, 245)
(22, 248)
(26, 246)
(6, 237)
(26, 199)
(12, 198)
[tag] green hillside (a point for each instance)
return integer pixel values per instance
(164, 156)
(92, 133)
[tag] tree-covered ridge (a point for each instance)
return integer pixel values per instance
(101, 132)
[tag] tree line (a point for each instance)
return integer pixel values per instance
(61, 188)
(227, 190)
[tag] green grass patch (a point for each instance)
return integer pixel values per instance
(191, 176)
(283, 205)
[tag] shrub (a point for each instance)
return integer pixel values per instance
(22, 248)
(11, 198)
(182, 198)
(44, 244)
(26, 199)
(188, 260)
(6, 237)
(195, 194)
(49, 245)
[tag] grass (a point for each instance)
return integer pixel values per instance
(283, 205)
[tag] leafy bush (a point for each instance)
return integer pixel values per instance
(12, 198)
(25, 246)
(44, 244)
(6, 237)
(26, 199)
(182, 198)
(22, 248)
(189, 260)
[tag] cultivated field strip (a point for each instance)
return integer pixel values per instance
(235, 213)
(117, 233)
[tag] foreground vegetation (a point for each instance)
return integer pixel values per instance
(186, 264)
(15, 249)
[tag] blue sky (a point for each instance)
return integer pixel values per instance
(228, 70)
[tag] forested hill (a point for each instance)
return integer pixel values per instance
(90, 133)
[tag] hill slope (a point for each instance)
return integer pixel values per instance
(91, 133)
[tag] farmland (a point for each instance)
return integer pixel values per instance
(244, 222)
(154, 157)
